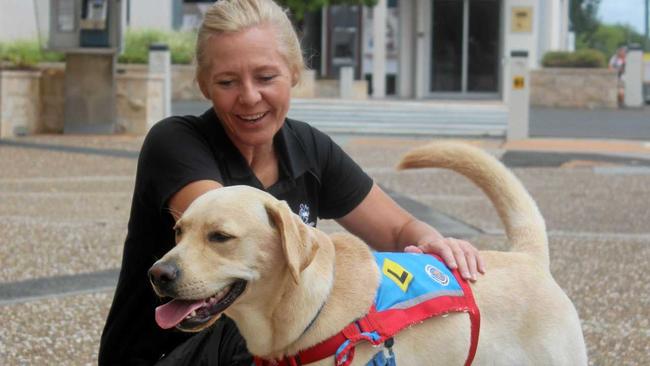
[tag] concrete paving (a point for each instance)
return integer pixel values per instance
(65, 200)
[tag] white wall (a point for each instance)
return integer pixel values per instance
(155, 14)
(521, 41)
(554, 26)
(17, 20)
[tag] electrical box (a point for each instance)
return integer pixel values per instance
(76, 25)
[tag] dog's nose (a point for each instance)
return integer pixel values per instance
(162, 274)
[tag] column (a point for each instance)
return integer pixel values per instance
(379, 49)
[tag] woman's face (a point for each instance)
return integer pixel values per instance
(249, 84)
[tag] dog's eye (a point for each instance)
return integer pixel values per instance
(177, 233)
(218, 237)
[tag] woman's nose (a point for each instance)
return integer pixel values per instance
(249, 94)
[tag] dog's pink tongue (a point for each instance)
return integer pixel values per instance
(173, 312)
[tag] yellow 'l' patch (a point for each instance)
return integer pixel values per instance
(397, 274)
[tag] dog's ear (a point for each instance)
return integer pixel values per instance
(298, 246)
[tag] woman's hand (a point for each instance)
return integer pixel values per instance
(457, 254)
(385, 226)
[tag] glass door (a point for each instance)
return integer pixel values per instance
(465, 46)
(483, 46)
(447, 46)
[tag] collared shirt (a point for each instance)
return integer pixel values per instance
(316, 178)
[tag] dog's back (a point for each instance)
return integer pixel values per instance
(526, 317)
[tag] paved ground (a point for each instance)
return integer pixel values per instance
(629, 123)
(65, 200)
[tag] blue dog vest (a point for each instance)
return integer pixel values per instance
(413, 288)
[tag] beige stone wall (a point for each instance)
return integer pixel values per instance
(139, 99)
(184, 85)
(573, 88)
(20, 106)
(33, 102)
(329, 88)
(52, 99)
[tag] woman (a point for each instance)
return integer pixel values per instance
(617, 63)
(248, 59)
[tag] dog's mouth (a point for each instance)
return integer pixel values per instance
(192, 315)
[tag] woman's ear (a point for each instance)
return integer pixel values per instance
(295, 78)
(204, 88)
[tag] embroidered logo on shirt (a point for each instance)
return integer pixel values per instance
(397, 274)
(304, 214)
(436, 275)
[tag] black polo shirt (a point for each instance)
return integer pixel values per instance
(316, 178)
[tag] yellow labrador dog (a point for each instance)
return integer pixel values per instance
(289, 286)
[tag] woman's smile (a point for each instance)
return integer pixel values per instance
(251, 118)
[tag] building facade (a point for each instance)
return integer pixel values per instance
(433, 48)
(442, 48)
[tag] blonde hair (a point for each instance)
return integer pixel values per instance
(230, 16)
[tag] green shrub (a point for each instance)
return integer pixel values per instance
(136, 45)
(26, 54)
(21, 54)
(588, 58)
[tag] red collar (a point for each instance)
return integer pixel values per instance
(322, 350)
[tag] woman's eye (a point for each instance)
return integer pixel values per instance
(178, 232)
(267, 78)
(218, 237)
(225, 82)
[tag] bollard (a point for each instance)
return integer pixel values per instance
(633, 77)
(346, 79)
(160, 63)
(518, 96)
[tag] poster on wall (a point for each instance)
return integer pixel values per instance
(521, 20)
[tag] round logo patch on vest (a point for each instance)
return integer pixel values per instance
(436, 275)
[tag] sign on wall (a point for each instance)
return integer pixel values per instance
(521, 20)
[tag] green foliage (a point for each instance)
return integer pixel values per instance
(607, 38)
(26, 54)
(298, 8)
(584, 18)
(588, 58)
(591, 33)
(136, 45)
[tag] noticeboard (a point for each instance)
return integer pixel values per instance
(521, 20)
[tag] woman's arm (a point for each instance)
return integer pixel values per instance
(182, 199)
(383, 224)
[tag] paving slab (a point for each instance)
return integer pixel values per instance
(54, 331)
(36, 248)
(69, 204)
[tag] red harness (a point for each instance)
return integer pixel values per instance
(379, 327)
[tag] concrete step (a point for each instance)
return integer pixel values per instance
(403, 117)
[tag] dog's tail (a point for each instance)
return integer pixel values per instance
(523, 222)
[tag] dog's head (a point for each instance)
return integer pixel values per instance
(228, 242)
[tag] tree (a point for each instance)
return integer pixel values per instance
(607, 38)
(583, 14)
(298, 8)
